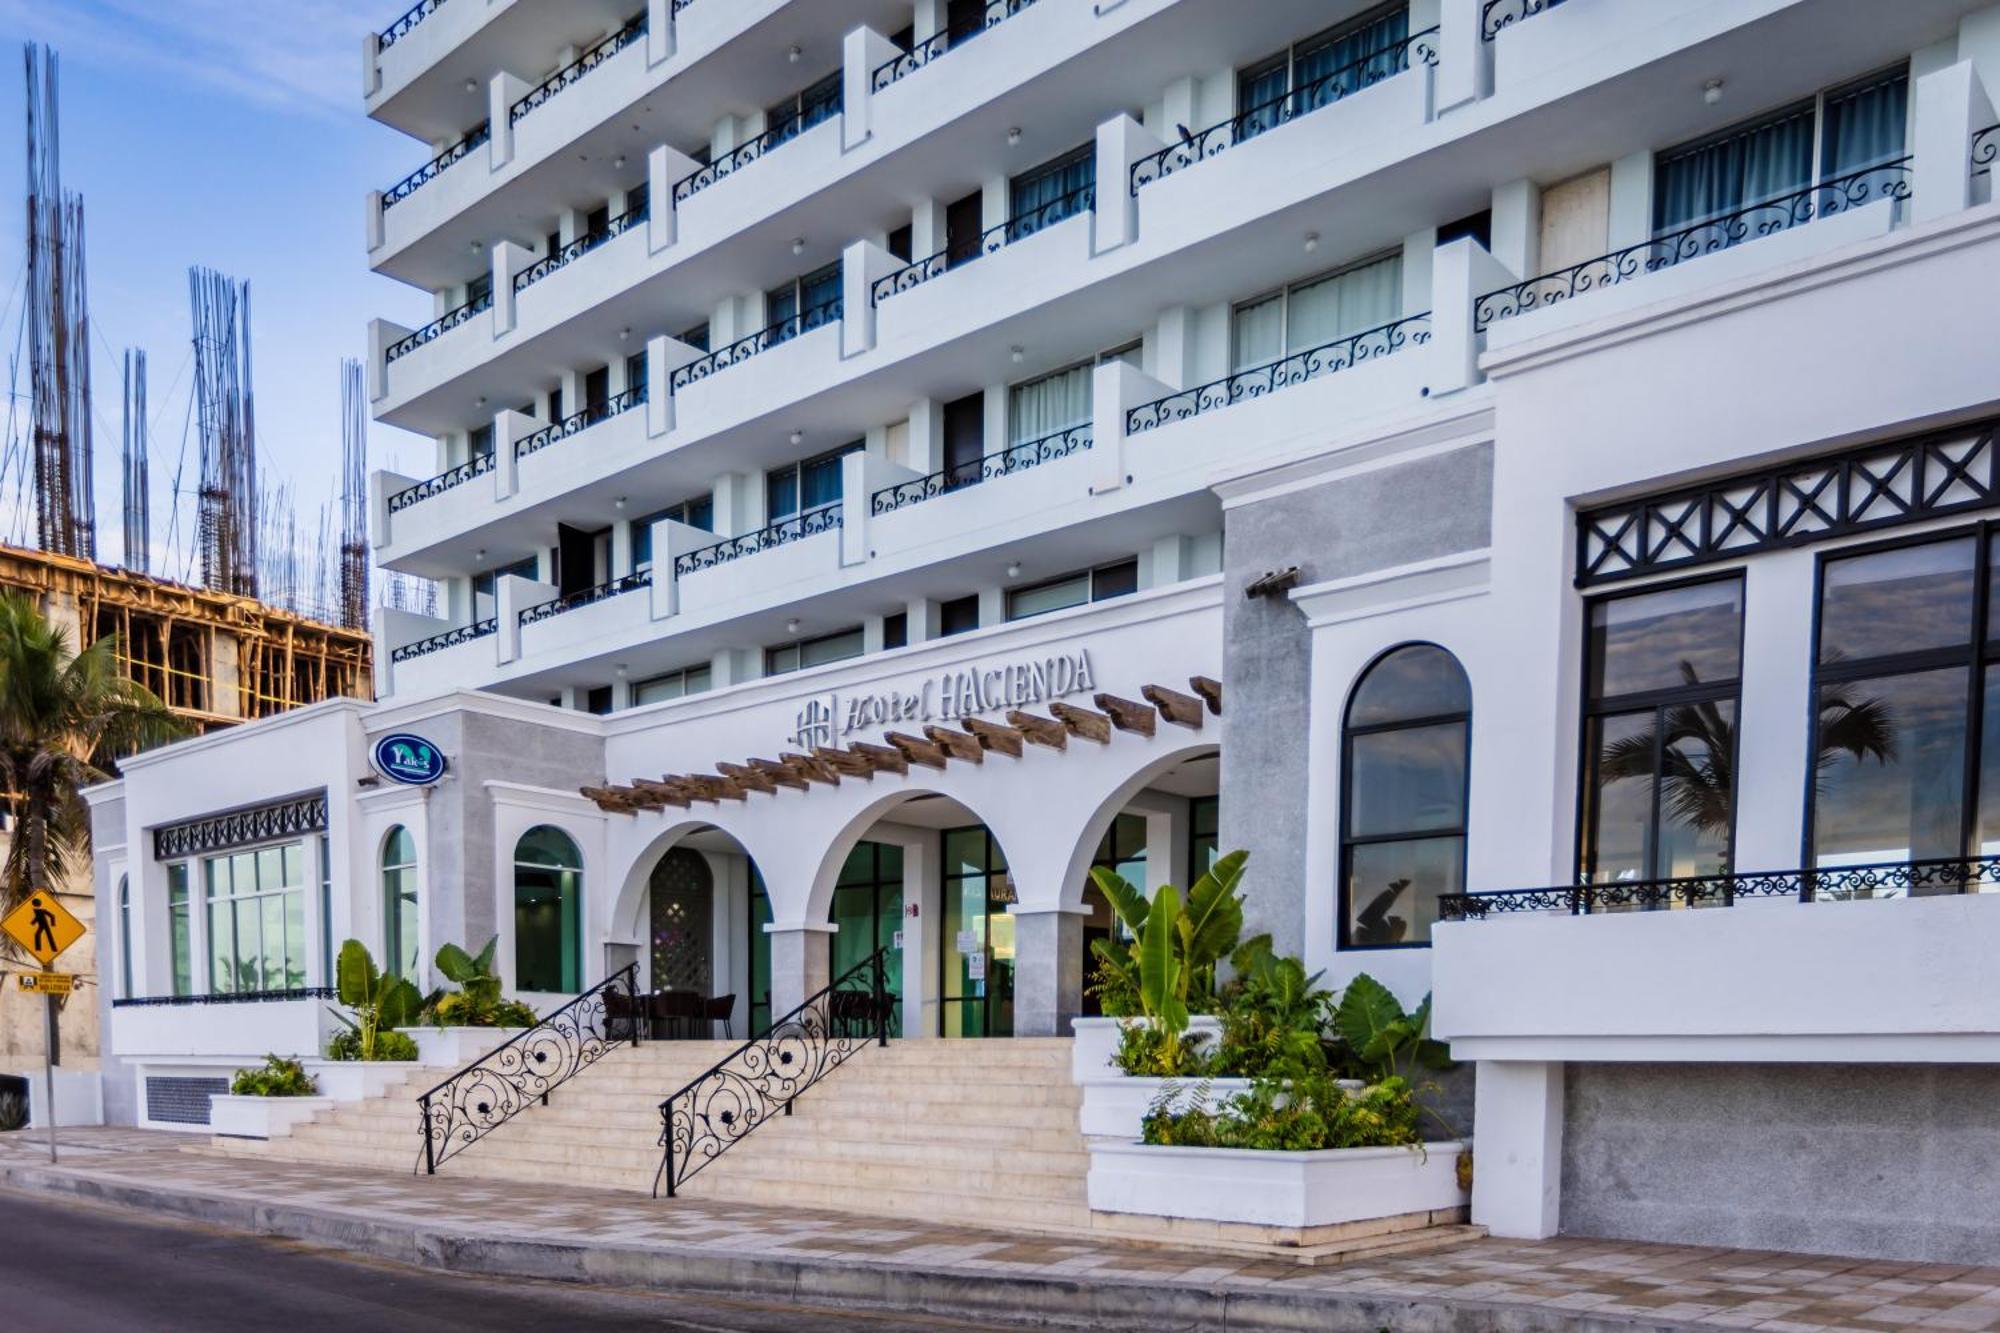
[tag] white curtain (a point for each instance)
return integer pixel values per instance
(1364, 297)
(1257, 335)
(1762, 162)
(1052, 403)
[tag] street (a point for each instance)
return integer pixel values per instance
(88, 1269)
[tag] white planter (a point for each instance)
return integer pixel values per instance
(1115, 1107)
(359, 1080)
(455, 1048)
(1097, 1042)
(1275, 1189)
(261, 1117)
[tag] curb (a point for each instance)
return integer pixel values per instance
(1106, 1303)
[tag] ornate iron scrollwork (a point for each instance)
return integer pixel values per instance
(581, 246)
(431, 170)
(810, 523)
(437, 328)
(1014, 458)
(576, 69)
(1888, 879)
(441, 483)
(751, 150)
(274, 822)
(764, 339)
(603, 592)
(451, 638)
(595, 414)
(229, 997)
(914, 59)
(994, 238)
(402, 27)
(1499, 14)
(1985, 148)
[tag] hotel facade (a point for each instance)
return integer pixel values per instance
(1521, 468)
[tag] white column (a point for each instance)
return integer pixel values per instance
(1517, 226)
(1951, 106)
(1461, 273)
(862, 53)
(1121, 141)
(1517, 1168)
(1465, 58)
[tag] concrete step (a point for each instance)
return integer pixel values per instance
(719, 1183)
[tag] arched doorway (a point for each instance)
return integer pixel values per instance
(681, 911)
(692, 916)
(548, 912)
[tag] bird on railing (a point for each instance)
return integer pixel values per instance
(1187, 135)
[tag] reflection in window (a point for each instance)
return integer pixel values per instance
(180, 928)
(124, 937)
(977, 960)
(257, 919)
(401, 951)
(1407, 737)
(548, 912)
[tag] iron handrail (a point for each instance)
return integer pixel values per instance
(763, 340)
(437, 328)
(745, 1088)
(1496, 15)
(402, 27)
(442, 482)
(577, 68)
(994, 239)
(943, 40)
(752, 150)
(1005, 462)
(502, 1083)
(795, 527)
(592, 415)
(431, 170)
(1985, 148)
(602, 592)
(450, 638)
(228, 997)
(581, 246)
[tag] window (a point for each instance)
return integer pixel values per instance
(896, 630)
(180, 928)
(696, 513)
(257, 919)
(1204, 835)
(1093, 585)
(808, 653)
(1051, 192)
(672, 685)
(548, 912)
(125, 937)
(799, 299)
(479, 442)
(958, 616)
(696, 337)
(401, 943)
(1316, 312)
(977, 961)
(1403, 780)
(1836, 134)
(485, 587)
(760, 954)
(636, 371)
(803, 110)
(597, 699)
(1320, 69)
(801, 488)
(1663, 687)
(1039, 408)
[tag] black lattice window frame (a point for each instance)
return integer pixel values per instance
(276, 821)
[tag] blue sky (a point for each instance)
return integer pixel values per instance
(228, 133)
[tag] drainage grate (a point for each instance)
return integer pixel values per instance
(182, 1101)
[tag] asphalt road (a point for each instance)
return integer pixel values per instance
(77, 1268)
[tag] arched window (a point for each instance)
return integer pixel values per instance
(1403, 766)
(548, 912)
(125, 936)
(400, 941)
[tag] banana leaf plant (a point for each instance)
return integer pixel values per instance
(1385, 1038)
(376, 1000)
(1169, 963)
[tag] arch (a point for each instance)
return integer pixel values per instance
(689, 858)
(1090, 835)
(1405, 765)
(548, 911)
(402, 944)
(681, 921)
(125, 937)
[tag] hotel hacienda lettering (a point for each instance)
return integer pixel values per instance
(964, 692)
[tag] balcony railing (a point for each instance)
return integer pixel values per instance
(744, 154)
(1014, 458)
(403, 26)
(431, 170)
(1985, 148)
(603, 592)
(994, 238)
(438, 327)
(577, 69)
(1842, 194)
(578, 422)
(1307, 98)
(451, 638)
(442, 482)
(914, 59)
(1886, 879)
(799, 526)
(228, 997)
(761, 341)
(1368, 345)
(1498, 14)
(581, 246)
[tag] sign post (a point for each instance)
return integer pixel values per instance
(44, 928)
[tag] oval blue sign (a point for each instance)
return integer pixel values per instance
(408, 759)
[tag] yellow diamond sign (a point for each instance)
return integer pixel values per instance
(42, 926)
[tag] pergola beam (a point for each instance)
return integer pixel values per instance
(917, 750)
(779, 773)
(1090, 725)
(1183, 710)
(993, 736)
(845, 761)
(1040, 730)
(882, 758)
(812, 770)
(747, 778)
(957, 744)
(1210, 691)
(1128, 716)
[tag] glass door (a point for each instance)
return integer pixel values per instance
(977, 996)
(868, 909)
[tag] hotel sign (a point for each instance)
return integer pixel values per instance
(983, 687)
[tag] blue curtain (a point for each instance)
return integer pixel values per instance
(1743, 167)
(1864, 126)
(1036, 198)
(1349, 61)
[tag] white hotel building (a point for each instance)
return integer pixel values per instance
(1446, 446)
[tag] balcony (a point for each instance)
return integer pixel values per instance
(924, 52)
(581, 246)
(450, 638)
(603, 592)
(1014, 458)
(442, 482)
(767, 538)
(478, 137)
(578, 422)
(1496, 16)
(754, 150)
(584, 65)
(763, 340)
(407, 24)
(1074, 204)
(436, 329)
(1985, 148)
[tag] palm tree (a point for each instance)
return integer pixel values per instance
(64, 716)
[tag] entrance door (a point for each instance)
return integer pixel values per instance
(683, 923)
(1123, 850)
(963, 219)
(977, 997)
(868, 909)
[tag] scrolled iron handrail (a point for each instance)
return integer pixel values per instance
(437, 328)
(603, 592)
(228, 997)
(451, 638)
(581, 246)
(1014, 458)
(765, 1075)
(826, 312)
(577, 68)
(1497, 15)
(499, 1085)
(1985, 149)
(993, 239)
(914, 59)
(1310, 364)
(1315, 95)
(799, 526)
(403, 26)
(1881, 879)
(753, 149)
(442, 482)
(1840, 194)
(474, 138)
(576, 422)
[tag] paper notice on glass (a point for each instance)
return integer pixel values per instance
(968, 942)
(896, 941)
(975, 966)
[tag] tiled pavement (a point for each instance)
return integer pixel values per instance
(1479, 1284)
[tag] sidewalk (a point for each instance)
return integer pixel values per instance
(503, 1228)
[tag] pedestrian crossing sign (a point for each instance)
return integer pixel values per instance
(42, 926)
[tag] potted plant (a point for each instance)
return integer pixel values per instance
(459, 1026)
(368, 1055)
(267, 1102)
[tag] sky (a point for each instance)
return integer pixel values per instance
(225, 133)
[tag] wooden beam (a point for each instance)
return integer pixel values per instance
(1040, 730)
(1210, 691)
(1007, 740)
(1183, 710)
(844, 761)
(747, 778)
(779, 773)
(1128, 716)
(714, 788)
(882, 758)
(660, 793)
(1083, 722)
(611, 799)
(685, 789)
(957, 744)
(812, 770)
(916, 750)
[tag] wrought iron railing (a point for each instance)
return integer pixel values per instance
(437, 328)
(577, 422)
(1498, 14)
(1985, 148)
(1324, 91)
(773, 535)
(451, 638)
(762, 340)
(1025, 223)
(914, 59)
(1885, 879)
(603, 592)
(474, 138)
(1368, 345)
(577, 68)
(499, 1085)
(1014, 458)
(441, 483)
(763, 1077)
(1841, 194)
(402, 27)
(745, 153)
(228, 997)
(581, 246)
